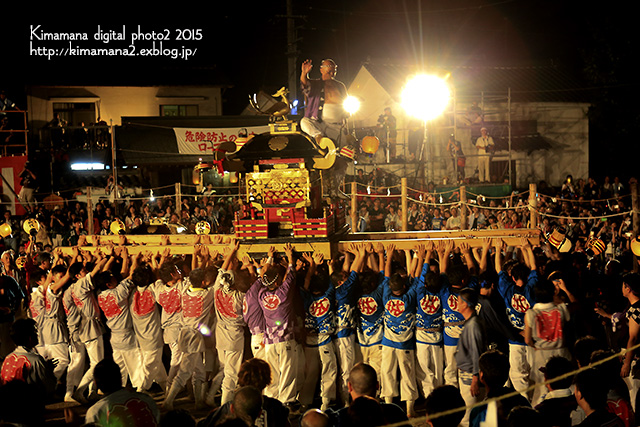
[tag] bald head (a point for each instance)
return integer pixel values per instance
(315, 418)
(363, 381)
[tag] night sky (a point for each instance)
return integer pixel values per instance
(244, 45)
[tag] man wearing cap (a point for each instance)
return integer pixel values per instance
(485, 145)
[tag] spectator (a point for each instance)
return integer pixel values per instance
(558, 404)
(119, 404)
(592, 399)
(442, 399)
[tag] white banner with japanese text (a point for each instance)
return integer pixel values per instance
(204, 141)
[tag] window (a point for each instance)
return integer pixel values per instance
(73, 113)
(178, 110)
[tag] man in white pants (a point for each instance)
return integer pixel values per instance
(317, 296)
(54, 331)
(114, 303)
(229, 329)
(398, 345)
(145, 315)
(470, 346)
(485, 145)
(429, 325)
(276, 298)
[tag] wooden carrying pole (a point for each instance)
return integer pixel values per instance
(464, 223)
(405, 210)
(533, 204)
(354, 207)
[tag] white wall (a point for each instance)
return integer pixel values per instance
(112, 103)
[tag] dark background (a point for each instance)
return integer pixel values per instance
(244, 47)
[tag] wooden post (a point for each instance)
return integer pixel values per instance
(464, 222)
(354, 207)
(179, 199)
(89, 212)
(533, 203)
(635, 217)
(405, 210)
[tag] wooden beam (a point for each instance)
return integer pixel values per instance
(183, 243)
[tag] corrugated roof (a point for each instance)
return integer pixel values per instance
(527, 83)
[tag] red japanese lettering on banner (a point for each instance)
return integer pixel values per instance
(224, 305)
(192, 306)
(395, 307)
(188, 136)
(271, 302)
(430, 304)
(367, 305)
(453, 302)
(34, 309)
(109, 305)
(15, 368)
(143, 302)
(134, 412)
(170, 301)
(520, 303)
(549, 325)
(319, 308)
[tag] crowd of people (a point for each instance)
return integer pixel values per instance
(416, 321)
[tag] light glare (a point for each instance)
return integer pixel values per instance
(351, 104)
(425, 97)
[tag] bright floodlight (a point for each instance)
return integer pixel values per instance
(425, 97)
(351, 105)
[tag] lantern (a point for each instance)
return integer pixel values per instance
(370, 144)
(635, 246)
(5, 230)
(595, 246)
(21, 261)
(117, 227)
(347, 152)
(203, 227)
(558, 239)
(31, 226)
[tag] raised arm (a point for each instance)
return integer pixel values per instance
(228, 259)
(486, 244)
(380, 252)
(468, 258)
(418, 259)
(100, 264)
(387, 267)
(247, 263)
(312, 270)
(372, 261)
(408, 261)
(444, 251)
(527, 251)
(306, 69)
(360, 253)
(497, 244)
(59, 284)
(126, 262)
(288, 250)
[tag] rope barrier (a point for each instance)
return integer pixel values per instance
(418, 421)
(558, 199)
(581, 218)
